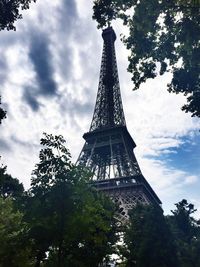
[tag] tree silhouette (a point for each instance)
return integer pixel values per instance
(2, 112)
(10, 12)
(186, 232)
(148, 239)
(9, 187)
(68, 219)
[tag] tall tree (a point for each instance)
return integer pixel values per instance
(67, 217)
(10, 12)
(148, 241)
(160, 31)
(186, 230)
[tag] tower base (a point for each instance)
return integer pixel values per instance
(126, 194)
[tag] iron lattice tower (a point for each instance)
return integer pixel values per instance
(108, 149)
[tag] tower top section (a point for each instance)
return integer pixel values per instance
(108, 112)
(108, 34)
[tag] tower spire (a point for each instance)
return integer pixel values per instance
(108, 110)
(108, 149)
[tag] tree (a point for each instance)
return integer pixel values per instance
(186, 231)
(148, 240)
(14, 249)
(2, 113)
(68, 219)
(163, 37)
(9, 186)
(10, 12)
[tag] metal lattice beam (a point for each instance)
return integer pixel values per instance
(108, 110)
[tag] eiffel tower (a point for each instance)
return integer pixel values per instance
(108, 149)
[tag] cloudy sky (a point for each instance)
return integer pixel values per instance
(49, 71)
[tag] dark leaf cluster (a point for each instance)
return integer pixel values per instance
(10, 11)
(186, 232)
(2, 113)
(154, 240)
(149, 240)
(9, 187)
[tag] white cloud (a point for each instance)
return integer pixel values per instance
(172, 185)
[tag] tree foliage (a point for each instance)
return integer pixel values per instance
(148, 239)
(163, 37)
(14, 249)
(186, 231)
(68, 219)
(9, 186)
(10, 12)
(63, 221)
(2, 113)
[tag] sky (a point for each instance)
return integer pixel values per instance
(49, 72)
